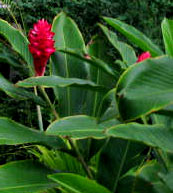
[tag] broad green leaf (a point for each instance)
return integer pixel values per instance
(18, 41)
(98, 51)
(94, 61)
(13, 133)
(127, 53)
(79, 126)
(24, 177)
(145, 87)
(108, 107)
(151, 135)
(167, 179)
(53, 81)
(143, 180)
(164, 117)
(67, 35)
(167, 31)
(18, 93)
(134, 36)
(121, 155)
(77, 184)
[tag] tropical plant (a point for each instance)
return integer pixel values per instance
(110, 123)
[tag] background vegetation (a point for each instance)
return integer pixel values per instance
(145, 15)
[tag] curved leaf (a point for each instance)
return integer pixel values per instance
(24, 177)
(52, 81)
(79, 126)
(94, 61)
(167, 31)
(18, 93)
(121, 155)
(127, 53)
(108, 107)
(67, 35)
(168, 179)
(151, 135)
(135, 36)
(12, 133)
(77, 184)
(144, 179)
(145, 87)
(18, 41)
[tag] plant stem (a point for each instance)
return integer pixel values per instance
(80, 158)
(50, 103)
(40, 121)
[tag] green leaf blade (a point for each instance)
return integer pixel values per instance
(167, 31)
(145, 87)
(18, 93)
(77, 184)
(151, 135)
(135, 36)
(78, 127)
(24, 176)
(13, 133)
(53, 81)
(127, 53)
(18, 41)
(67, 35)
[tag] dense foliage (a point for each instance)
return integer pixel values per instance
(144, 15)
(95, 122)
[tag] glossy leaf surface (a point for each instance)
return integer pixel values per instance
(18, 41)
(151, 135)
(145, 87)
(67, 35)
(77, 184)
(79, 126)
(13, 133)
(135, 36)
(167, 31)
(127, 53)
(53, 81)
(24, 176)
(18, 93)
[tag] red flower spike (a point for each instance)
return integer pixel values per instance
(41, 45)
(144, 56)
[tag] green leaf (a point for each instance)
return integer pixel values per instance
(108, 107)
(145, 87)
(121, 155)
(94, 61)
(24, 176)
(168, 179)
(53, 81)
(98, 51)
(134, 36)
(144, 179)
(77, 184)
(57, 160)
(13, 133)
(18, 93)
(167, 31)
(18, 41)
(151, 135)
(127, 53)
(78, 127)
(67, 35)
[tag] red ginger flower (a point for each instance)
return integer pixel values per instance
(41, 45)
(144, 56)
